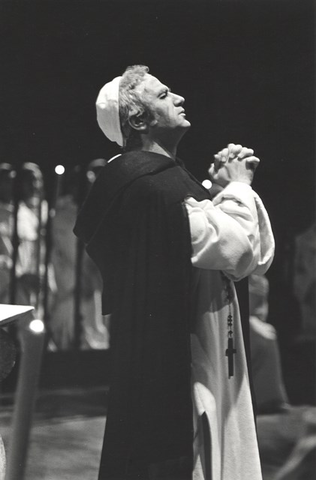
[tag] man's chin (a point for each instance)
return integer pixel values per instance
(185, 126)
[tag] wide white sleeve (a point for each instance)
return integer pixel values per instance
(232, 234)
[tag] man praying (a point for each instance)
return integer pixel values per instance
(180, 405)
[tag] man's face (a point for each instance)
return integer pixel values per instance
(166, 107)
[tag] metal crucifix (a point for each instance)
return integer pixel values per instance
(230, 356)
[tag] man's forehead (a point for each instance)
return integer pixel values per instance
(151, 84)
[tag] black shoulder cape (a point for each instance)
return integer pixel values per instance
(135, 227)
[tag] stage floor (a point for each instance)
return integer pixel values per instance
(68, 426)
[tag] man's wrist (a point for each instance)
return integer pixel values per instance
(236, 184)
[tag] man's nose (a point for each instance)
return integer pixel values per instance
(178, 99)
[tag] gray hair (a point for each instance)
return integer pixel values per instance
(130, 103)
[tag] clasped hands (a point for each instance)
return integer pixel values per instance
(234, 163)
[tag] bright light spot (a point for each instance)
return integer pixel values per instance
(91, 176)
(37, 326)
(207, 184)
(59, 169)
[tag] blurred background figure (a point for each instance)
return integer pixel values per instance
(301, 463)
(25, 193)
(7, 175)
(304, 282)
(271, 396)
(23, 217)
(301, 358)
(79, 285)
(32, 222)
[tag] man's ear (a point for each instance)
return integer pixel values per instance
(138, 121)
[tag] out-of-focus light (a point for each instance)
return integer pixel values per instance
(37, 326)
(91, 176)
(207, 183)
(59, 169)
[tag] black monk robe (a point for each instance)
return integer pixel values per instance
(136, 229)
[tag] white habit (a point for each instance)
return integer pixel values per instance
(222, 406)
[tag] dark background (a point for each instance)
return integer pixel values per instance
(246, 69)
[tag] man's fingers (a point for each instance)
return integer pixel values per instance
(252, 162)
(211, 171)
(234, 150)
(219, 160)
(245, 152)
(222, 153)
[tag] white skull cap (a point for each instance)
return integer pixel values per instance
(108, 115)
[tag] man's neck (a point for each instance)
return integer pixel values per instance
(157, 147)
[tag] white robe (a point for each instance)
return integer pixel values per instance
(95, 334)
(231, 238)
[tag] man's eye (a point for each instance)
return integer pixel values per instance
(164, 94)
